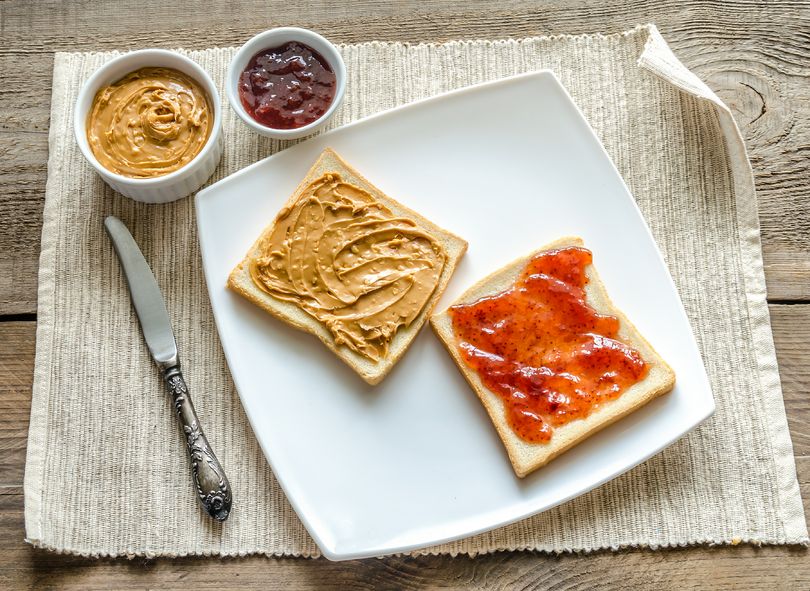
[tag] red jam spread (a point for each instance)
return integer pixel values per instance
(287, 87)
(543, 350)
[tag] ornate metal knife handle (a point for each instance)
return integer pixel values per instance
(213, 488)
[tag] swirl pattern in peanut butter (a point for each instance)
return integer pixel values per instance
(349, 262)
(150, 123)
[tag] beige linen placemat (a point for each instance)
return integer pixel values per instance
(105, 473)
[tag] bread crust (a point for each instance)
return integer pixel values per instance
(241, 282)
(527, 457)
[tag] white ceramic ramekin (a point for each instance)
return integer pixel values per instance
(160, 189)
(274, 38)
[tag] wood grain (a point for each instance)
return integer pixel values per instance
(755, 55)
(23, 158)
(16, 377)
(22, 567)
(791, 334)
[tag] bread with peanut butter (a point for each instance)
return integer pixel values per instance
(550, 357)
(350, 265)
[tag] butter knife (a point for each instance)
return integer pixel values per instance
(212, 486)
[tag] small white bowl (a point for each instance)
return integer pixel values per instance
(274, 38)
(181, 182)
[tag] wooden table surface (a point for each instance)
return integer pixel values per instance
(755, 55)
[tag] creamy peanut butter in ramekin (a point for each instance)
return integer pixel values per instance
(150, 123)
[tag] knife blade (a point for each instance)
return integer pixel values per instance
(211, 483)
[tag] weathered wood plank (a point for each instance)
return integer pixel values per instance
(742, 567)
(204, 24)
(756, 56)
(22, 567)
(23, 167)
(791, 334)
(17, 340)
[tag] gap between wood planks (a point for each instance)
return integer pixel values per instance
(18, 318)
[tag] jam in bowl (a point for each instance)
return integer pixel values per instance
(287, 87)
(286, 82)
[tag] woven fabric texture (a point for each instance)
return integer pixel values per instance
(105, 473)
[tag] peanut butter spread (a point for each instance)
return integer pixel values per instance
(151, 122)
(349, 262)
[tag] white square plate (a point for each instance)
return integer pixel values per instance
(415, 461)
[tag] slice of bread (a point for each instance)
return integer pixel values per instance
(241, 282)
(527, 457)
